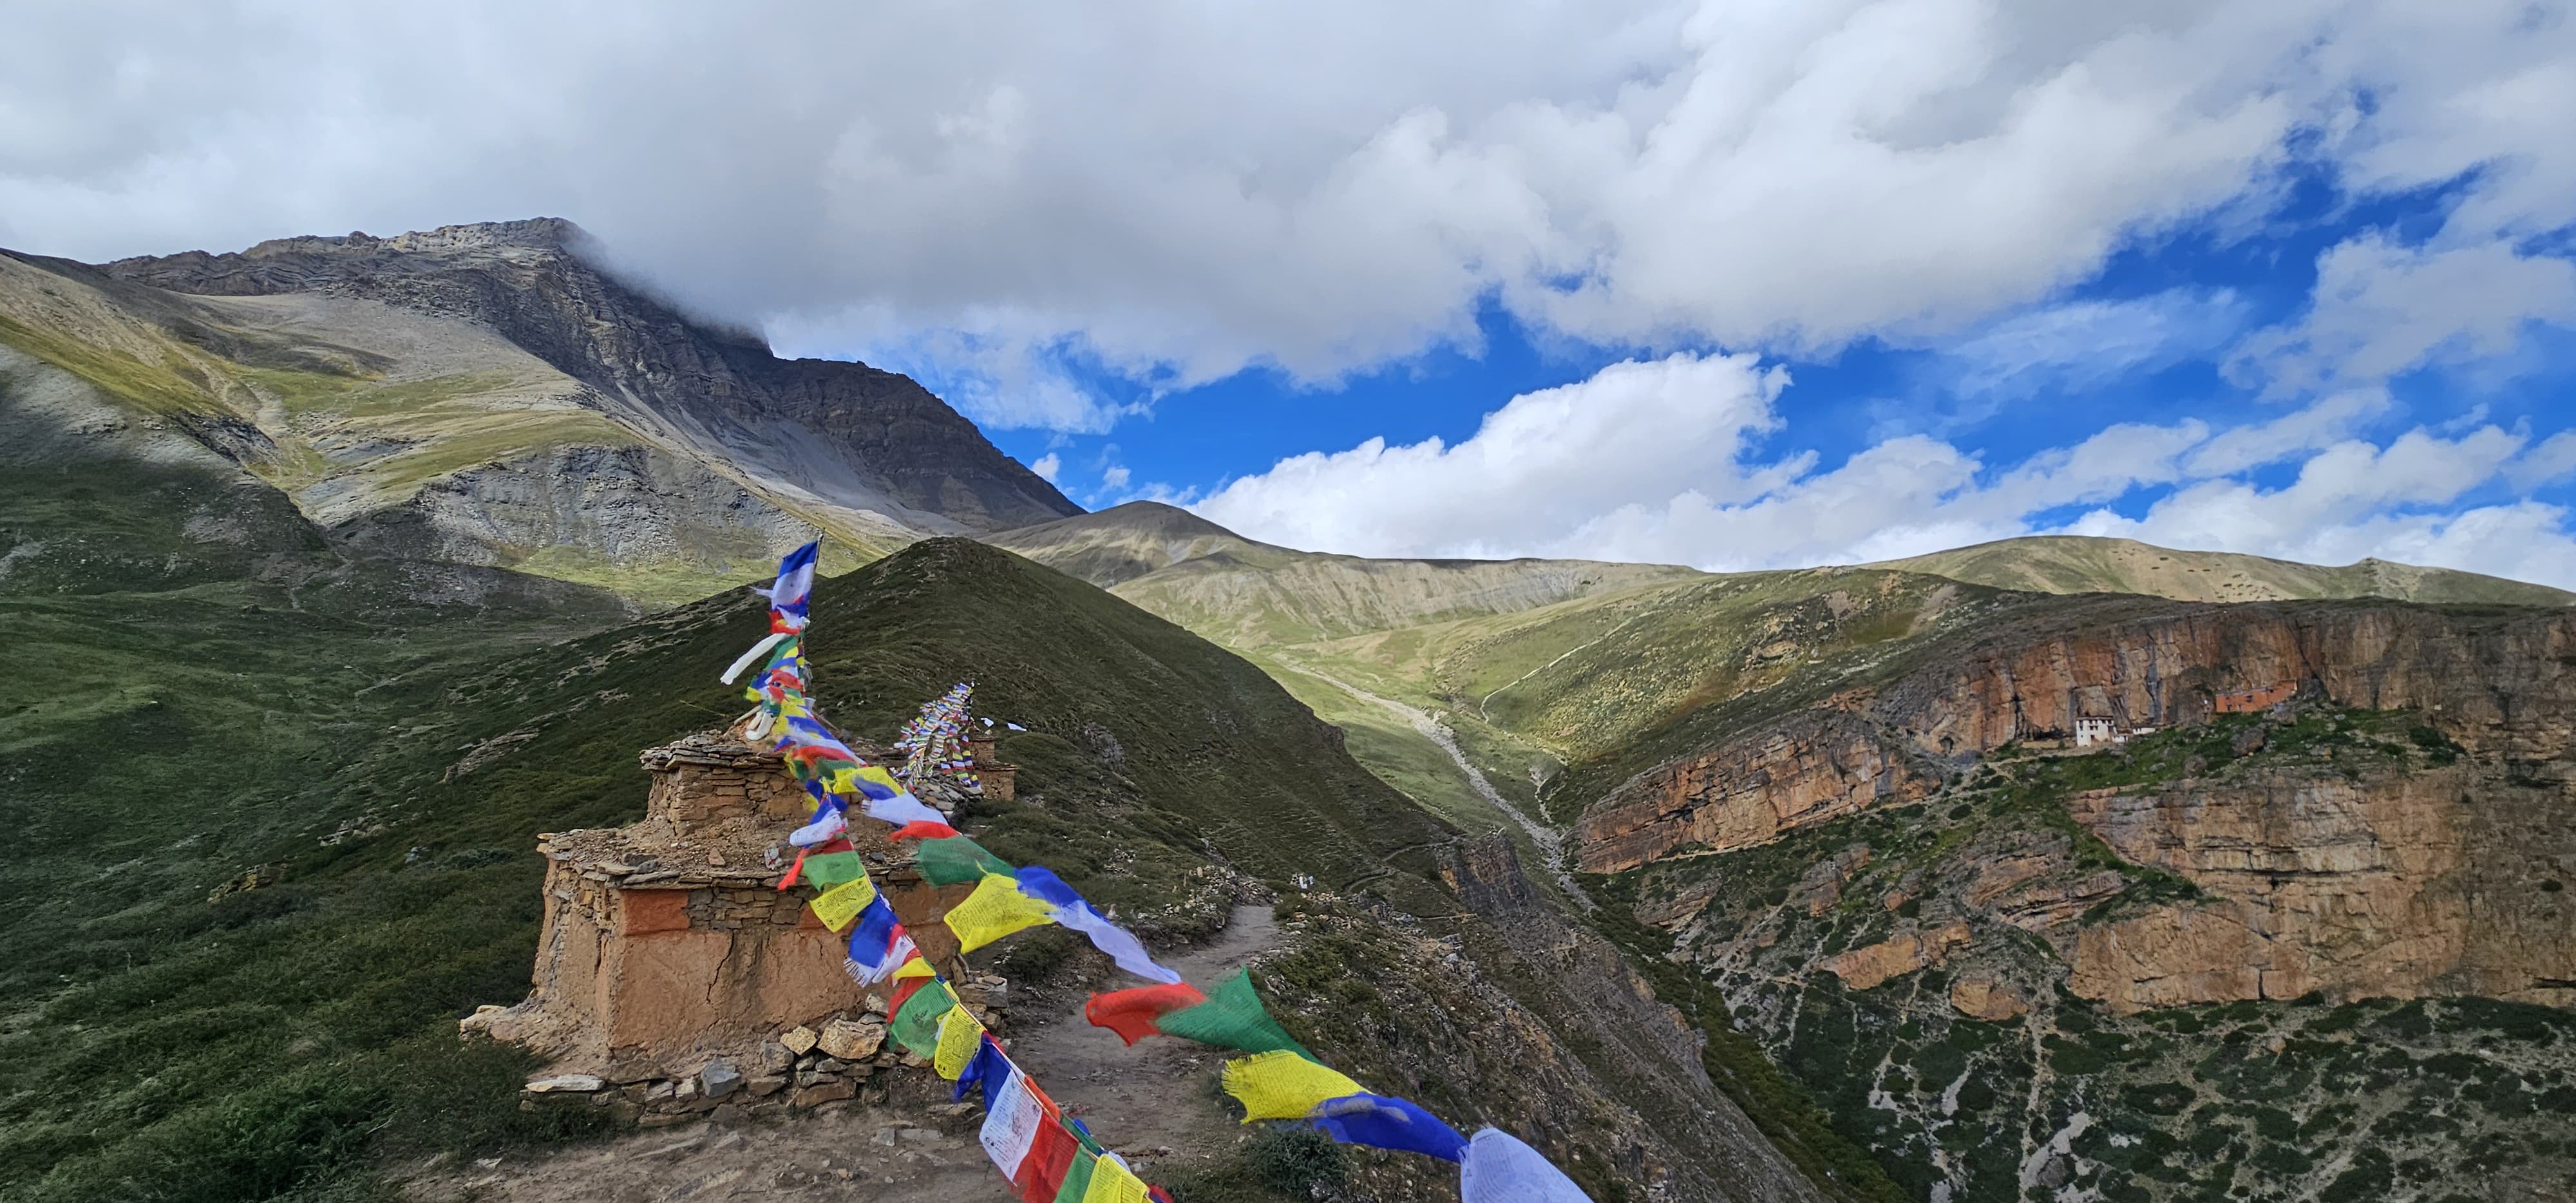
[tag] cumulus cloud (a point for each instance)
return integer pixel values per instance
(1048, 466)
(1172, 191)
(2381, 308)
(1663, 461)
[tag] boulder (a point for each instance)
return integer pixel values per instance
(719, 1079)
(851, 1040)
(799, 1040)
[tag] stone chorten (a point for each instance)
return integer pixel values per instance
(666, 945)
(994, 779)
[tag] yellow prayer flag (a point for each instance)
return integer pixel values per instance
(1111, 1182)
(914, 966)
(996, 909)
(1282, 1085)
(959, 1036)
(837, 906)
(870, 772)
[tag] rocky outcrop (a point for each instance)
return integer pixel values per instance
(1800, 771)
(2395, 885)
(1987, 999)
(1865, 967)
(2495, 680)
(631, 507)
(846, 434)
(2498, 681)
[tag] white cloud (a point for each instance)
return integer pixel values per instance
(1535, 472)
(1115, 477)
(2084, 344)
(1048, 466)
(2380, 309)
(2552, 461)
(1662, 461)
(1175, 190)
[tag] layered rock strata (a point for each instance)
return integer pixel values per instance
(2496, 681)
(2392, 886)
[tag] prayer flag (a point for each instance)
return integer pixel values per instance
(757, 651)
(1069, 910)
(1283, 1085)
(829, 869)
(1012, 1126)
(1043, 1169)
(950, 861)
(1381, 1122)
(960, 1034)
(1234, 1018)
(878, 945)
(1500, 1169)
(1077, 1176)
(996, 909)
(990, 1070)
(1113, 1182)
(1133, 1013)
(827, 824)
(841, 904)
(787, 596)
(916, 1024)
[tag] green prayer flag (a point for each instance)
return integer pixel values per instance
(834, 868)
(1234, 1018)
(957, 859)
(916, 1026)
(1077, 1177)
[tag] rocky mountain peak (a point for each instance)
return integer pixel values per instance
(850, 438)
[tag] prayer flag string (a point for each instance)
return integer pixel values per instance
(1047, 1156)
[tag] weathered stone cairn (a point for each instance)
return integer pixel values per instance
(673, 979)
(997, 779)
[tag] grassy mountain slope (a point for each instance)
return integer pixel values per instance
(2074, 564)
(485, 395)
(1245, 593)
(1347, 635)
(253, 708)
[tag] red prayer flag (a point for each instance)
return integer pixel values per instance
(1050, 1157)
(1132, 1013)
(923, 829)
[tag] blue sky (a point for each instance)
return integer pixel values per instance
(1724, 282)
(2163, 332)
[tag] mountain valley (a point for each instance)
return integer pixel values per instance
(2052, 869)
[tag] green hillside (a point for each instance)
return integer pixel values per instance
(2074, 564)
(1357, 639)
(357, 415)
(313, 733)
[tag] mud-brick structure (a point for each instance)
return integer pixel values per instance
(667, 946)
(997, 780)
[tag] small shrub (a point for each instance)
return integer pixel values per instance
(1295, 1159)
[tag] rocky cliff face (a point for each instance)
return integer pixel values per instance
(1803, 770)
(2498, 681)
(2003, 961)
(2397, 884)
(844, 433)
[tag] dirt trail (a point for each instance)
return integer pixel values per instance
(1150, 1102)
(1161, 1093)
